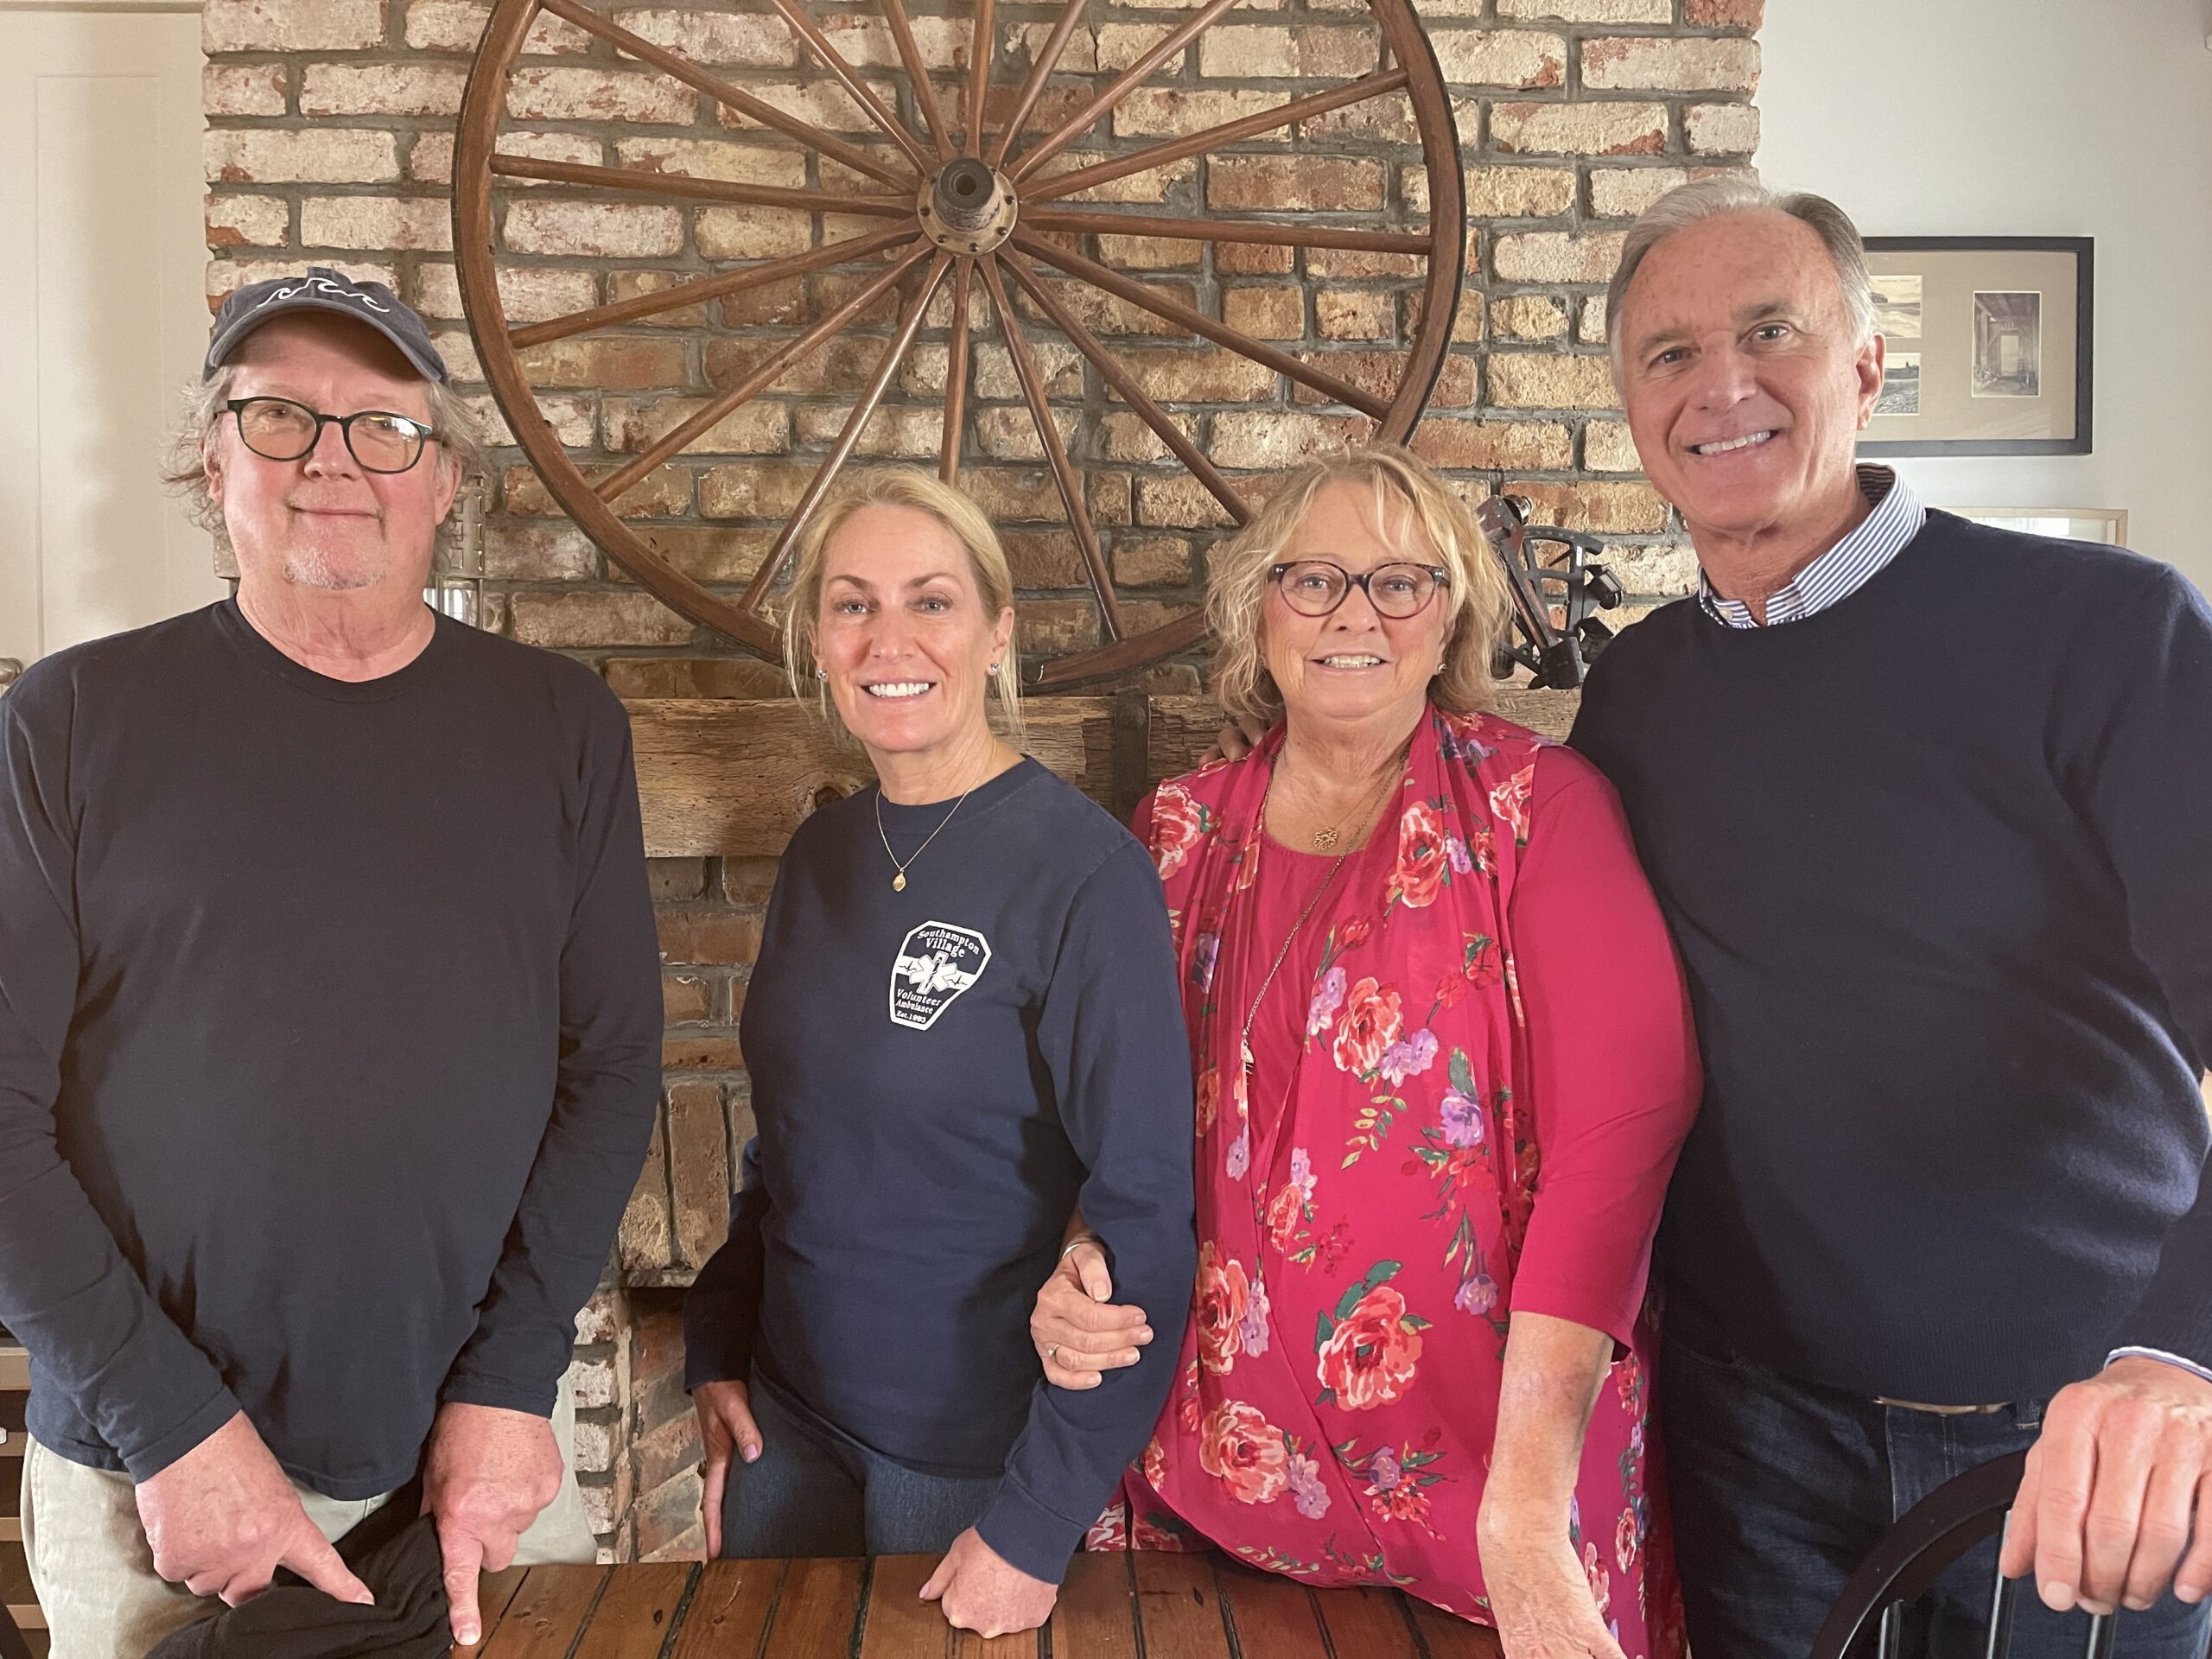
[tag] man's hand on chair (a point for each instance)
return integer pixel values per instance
(2104, 1514)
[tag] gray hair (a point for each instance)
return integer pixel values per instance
(461, 438)
(1687, 205)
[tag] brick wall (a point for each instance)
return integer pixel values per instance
(330, 140)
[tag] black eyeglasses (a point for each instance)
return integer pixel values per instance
(277, 429)
(1316, 587)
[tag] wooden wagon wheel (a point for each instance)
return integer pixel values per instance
(961, 202)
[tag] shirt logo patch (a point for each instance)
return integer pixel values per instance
(937, 963)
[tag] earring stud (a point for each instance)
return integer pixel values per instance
(821, 673)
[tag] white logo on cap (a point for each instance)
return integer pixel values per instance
(322, 285)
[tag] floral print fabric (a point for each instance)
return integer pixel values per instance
(1363, 1198)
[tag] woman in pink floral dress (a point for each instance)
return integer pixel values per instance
(1444, 1064)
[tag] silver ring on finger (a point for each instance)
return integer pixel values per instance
(1051, 1348)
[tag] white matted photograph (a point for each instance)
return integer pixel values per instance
(2007, 344)
(1900, 384)
(1897, 306)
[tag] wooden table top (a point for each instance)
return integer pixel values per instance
(1113, 1606)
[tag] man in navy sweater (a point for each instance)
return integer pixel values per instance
(1929, 806)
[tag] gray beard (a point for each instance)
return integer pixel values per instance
(309, 570)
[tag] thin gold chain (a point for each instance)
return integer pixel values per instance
(899, 880)
(1244, 1040)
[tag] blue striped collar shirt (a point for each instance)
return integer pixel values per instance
(1840, 572)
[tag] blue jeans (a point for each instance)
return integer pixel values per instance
(1780, 1489)
(815, 1490)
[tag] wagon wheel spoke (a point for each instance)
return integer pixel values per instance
(976, 173)
(703, 289)
(1126, 388)
(956, 376)
(979, 80)
(680, 68)
(1198, 323)
(615, 484)
(894, 355)
(1080, 122)
(1033, 389)
(1233, 229)
(1228, 132)
(1047, 59)
(696, 189)
(834, 62)
(910, 53)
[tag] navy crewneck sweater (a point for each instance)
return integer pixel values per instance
(1938, 862)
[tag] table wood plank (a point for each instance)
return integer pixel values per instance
(546, 1613)
(1273, 1616)
(1022, 1644)
(1178, 1605)
(900, 1623)
(632, 1619)
(1096, 1616)
(493, 1591)
(730, 1610)
(1369, 1623)
(816, 1613)
(1447, 1636)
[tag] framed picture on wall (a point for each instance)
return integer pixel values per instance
(1987, 345)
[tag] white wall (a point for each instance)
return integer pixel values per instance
(2034, 117)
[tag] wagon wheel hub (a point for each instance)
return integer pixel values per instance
(968, 209)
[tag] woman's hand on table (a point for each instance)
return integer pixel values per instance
(1539, 1592)
(726, 1429)
(977, 1589)
(1079, 1331)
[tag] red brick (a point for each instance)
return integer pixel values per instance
(291, 25)
(1489, 446)
(1294, 183)
(382, 89)
(643, 1243)
(320, 156)
(568, 620)
(242, 89)
(684, 999)
(695, 676)
(686, 1053)
(698, 1158)
(719, 938)
(1594, 128)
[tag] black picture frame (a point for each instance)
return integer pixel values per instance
(2079, 442)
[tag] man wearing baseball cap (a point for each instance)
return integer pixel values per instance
(329, 1021)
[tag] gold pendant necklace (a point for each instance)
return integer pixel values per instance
(898, 879)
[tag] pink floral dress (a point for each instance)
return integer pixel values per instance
(1366, 1187)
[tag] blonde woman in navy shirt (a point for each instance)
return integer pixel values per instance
(963, 1023)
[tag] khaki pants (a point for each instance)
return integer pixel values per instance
(93, 1570)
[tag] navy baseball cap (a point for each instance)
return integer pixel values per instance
(323, 290)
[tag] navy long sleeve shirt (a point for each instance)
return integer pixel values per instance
(1939, 862)
(939, 1076)
(329, 1039)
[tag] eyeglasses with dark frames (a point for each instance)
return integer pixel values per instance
(277, 429)
(1316, 586)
